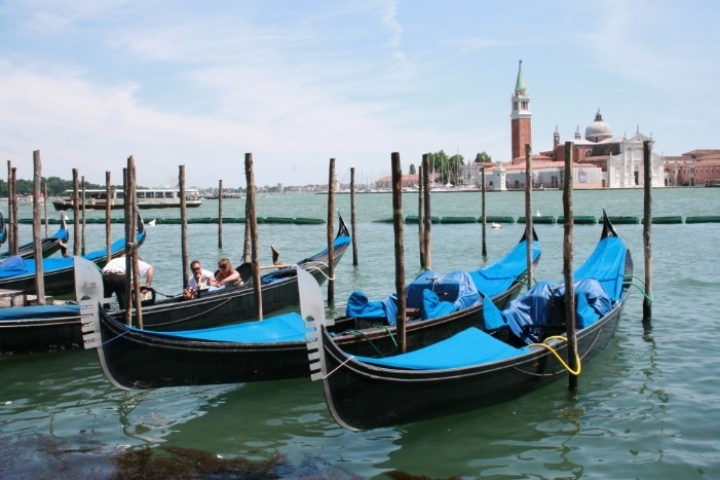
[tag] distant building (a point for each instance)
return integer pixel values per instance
(408, 182)
(695, 168)
(600, 159)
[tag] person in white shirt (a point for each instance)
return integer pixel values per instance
(113, 275)
(200, 278)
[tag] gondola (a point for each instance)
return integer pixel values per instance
(475, 368)
(58, 327)
(215, 307)
(18, 274)
(50, 245)
(270, 349)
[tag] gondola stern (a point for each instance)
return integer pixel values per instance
(88, 293)
(342, 227)
(608, 228)
(312, 310)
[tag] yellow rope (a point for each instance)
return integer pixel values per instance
(559, 359)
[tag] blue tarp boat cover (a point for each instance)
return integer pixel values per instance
(441, 295)
(498, 277)
(467, 296)
(39, 312)
(17, 266)
(360, 306)
(13, 266)
(534, 308)
(607, 265)
(288, 327)
(467, 348)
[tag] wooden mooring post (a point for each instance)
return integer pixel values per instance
(528, 213)
(83, 217)
(108, 217)
(184, 228)
(484, 215)
(421, 216)
(399, 250)
(647, 229)
(251, 226)
(132, 270)
(76, 212)
(568, 267)
(330, 234)
(353, 218)
(13, 214)
(37, 240)
(427, 215)
(11, 196)
(220, 213)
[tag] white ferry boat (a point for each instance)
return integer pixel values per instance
(146, 198)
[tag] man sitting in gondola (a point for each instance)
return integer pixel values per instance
(200, 279)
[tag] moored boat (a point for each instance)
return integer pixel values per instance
(214, 307)
(270, 349)
(49, 245)
(26, 329)
(17, 273)
(518, 351)
(146, 198)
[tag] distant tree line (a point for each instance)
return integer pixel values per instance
(55, 186)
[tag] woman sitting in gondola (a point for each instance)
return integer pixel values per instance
(226, 274)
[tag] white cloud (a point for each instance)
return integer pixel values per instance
(89, 83)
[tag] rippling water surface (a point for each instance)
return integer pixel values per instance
(646, 408)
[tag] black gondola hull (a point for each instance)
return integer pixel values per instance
(361, 397)
(145, 359)
(134, 359)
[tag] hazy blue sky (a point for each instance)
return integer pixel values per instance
(297, 82)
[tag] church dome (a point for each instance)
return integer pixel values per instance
(598, 130)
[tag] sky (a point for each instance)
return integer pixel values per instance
(298, 82)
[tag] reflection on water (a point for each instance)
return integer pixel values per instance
(646, 408)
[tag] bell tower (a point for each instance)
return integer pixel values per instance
(520, 123)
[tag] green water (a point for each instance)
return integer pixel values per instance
(646, 408)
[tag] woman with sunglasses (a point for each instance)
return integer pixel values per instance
(226, 274)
